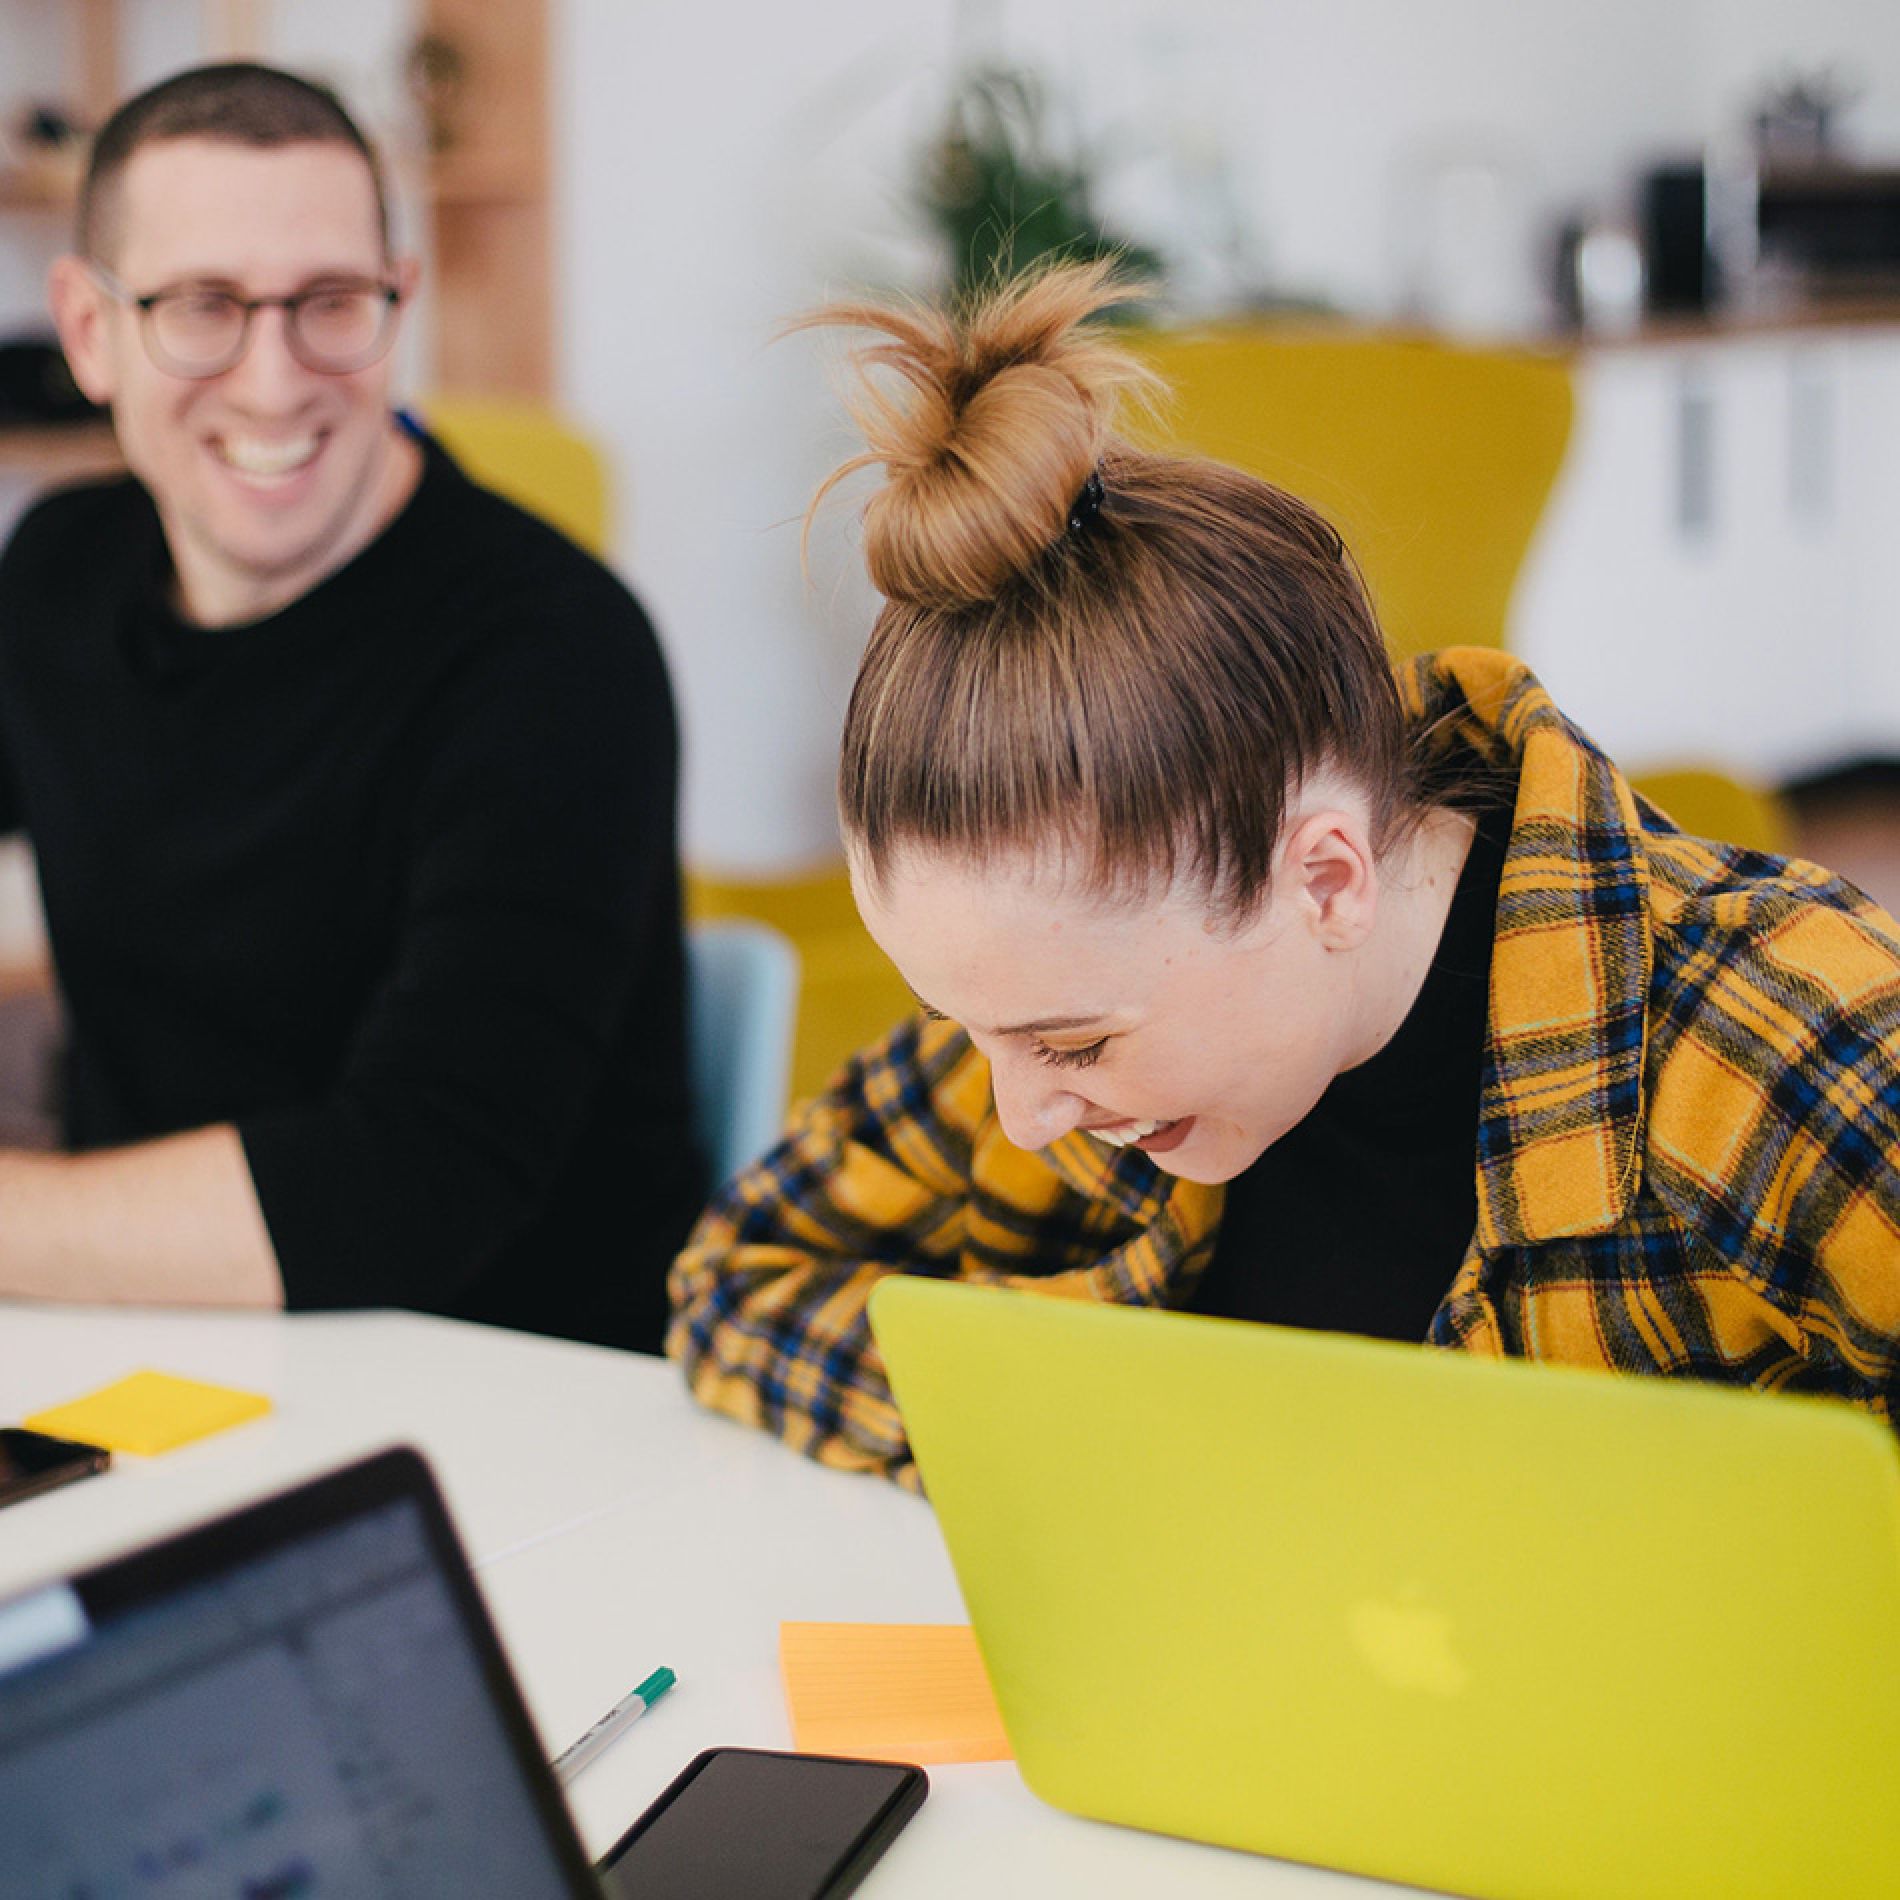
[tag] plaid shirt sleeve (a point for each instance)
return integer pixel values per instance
(878, 1175)
(900, 1167)
(1775, 1122)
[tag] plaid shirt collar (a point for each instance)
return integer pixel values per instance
(1560, 1123)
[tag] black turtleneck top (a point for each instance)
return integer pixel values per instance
(1356, 1220)
(388, 879)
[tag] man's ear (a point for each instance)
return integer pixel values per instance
(80, 316)
(1326, 864)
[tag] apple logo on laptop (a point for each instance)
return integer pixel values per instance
(1407, 1643)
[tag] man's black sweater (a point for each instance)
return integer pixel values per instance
(388, 880)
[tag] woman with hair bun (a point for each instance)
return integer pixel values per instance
(1260, 980)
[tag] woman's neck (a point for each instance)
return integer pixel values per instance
(1416, 886)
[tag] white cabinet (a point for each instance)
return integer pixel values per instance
(1718, 576)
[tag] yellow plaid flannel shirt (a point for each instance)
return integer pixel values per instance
(1686, 1147)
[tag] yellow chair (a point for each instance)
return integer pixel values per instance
(1435, 461)
(527, 453)
(1708, 803)
(1432, 459)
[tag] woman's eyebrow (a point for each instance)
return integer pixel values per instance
(1044, 1026)
(1048, 1023)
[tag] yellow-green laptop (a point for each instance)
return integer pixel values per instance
(1490, 1628)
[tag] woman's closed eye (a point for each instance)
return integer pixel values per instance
(1070, 1058)
(1055, 1058)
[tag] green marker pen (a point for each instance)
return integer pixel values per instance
(622, 1716)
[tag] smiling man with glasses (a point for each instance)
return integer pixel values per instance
(189, 308)
(351, 786)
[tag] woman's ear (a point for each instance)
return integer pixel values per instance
(1327, 868)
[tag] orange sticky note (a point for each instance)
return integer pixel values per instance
(892, 1691)
(148, 1412)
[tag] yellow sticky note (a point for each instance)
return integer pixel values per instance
(148, 1412)
(892, 1691)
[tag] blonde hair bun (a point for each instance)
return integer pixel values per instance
(1002, 412)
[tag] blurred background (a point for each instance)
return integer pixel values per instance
(1583, 319)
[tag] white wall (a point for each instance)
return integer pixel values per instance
(1332, 114)
(719, 176)
(1739, 41)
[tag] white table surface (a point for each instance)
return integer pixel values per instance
(615, 1527)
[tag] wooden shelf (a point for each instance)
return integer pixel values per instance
(487, 199)
(489, 204)
(59, 452)
(1799, 316)
(487, 178)
(32, 191)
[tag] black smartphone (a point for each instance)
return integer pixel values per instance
(758, 1824)
(30, 1462)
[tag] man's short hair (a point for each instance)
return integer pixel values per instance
(238, 102)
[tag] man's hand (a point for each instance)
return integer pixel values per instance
(171, 1222)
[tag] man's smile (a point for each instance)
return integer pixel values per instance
(264, 462)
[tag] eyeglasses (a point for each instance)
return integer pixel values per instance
(332, 328)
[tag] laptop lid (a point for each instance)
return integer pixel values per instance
(1502, 1629)
(305, 1697)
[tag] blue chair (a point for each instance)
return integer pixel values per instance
(743, 979)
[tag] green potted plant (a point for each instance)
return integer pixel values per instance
(999, 195)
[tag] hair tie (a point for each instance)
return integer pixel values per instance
(1088, 504)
